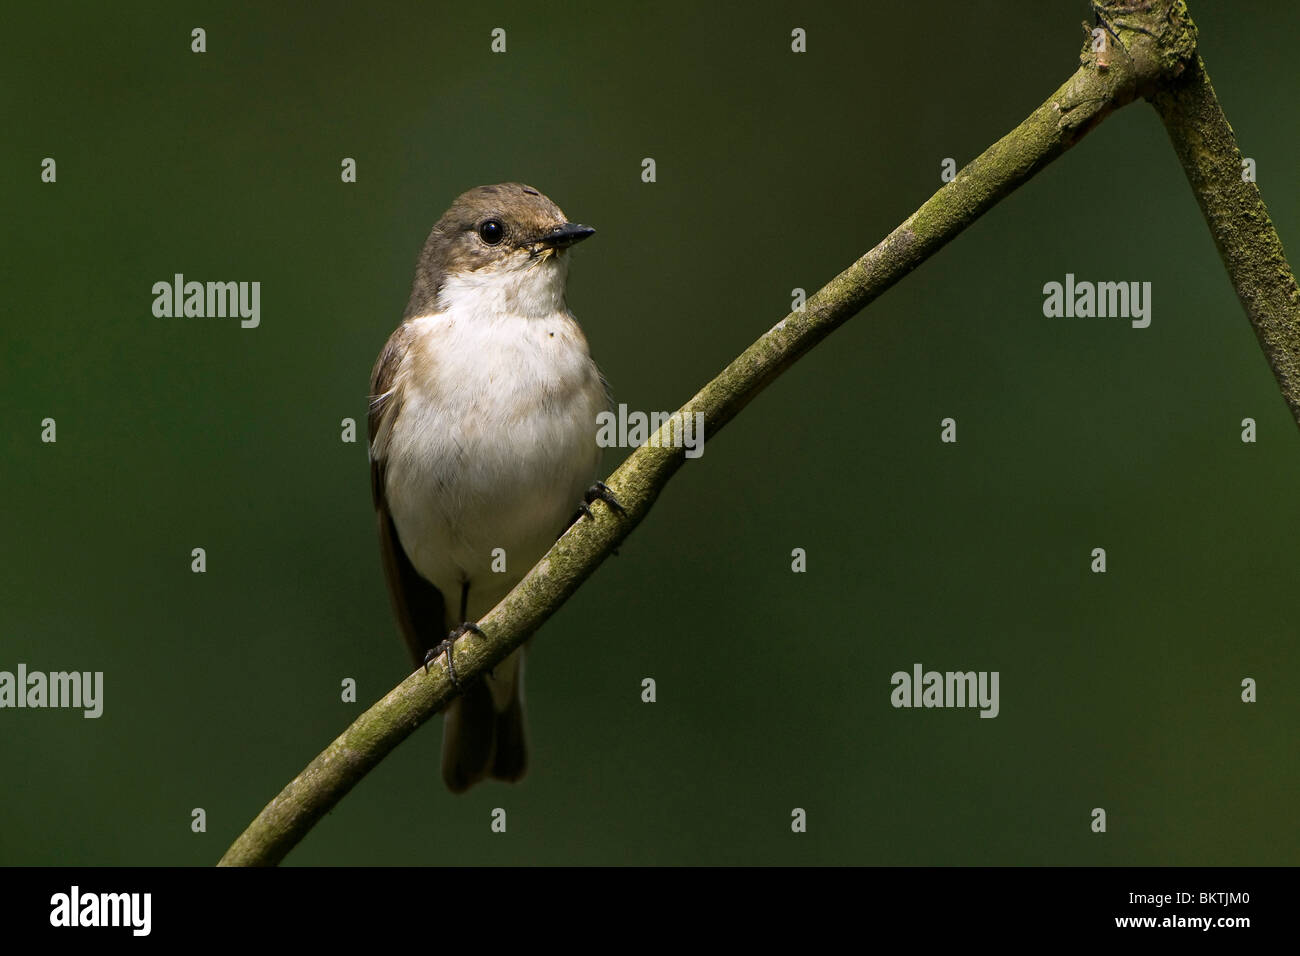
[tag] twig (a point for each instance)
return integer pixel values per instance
(1238, 220)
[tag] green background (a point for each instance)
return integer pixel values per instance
(775, 170)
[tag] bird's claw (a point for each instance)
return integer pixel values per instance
(600, 492)
(447, 646)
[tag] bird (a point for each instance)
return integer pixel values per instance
(483, 446)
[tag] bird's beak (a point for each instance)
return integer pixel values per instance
(569, 234)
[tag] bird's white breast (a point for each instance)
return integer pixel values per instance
(494, 440)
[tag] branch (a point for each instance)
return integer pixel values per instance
(1152, 50)
(1238, 220)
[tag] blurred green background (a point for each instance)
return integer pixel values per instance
(775, 170)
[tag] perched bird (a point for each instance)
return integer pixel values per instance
(483, 408)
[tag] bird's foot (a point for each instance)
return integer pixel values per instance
(598, 492)
(447, 646)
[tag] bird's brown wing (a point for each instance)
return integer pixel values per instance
(418, 604)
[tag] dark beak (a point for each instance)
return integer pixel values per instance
(569, 234)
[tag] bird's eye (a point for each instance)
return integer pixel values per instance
(491, 231)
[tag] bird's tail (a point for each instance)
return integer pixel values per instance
(483, 733)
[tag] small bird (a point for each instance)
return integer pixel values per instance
(483, 408)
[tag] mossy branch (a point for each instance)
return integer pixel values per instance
(1137, 55)
(1248, 244)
